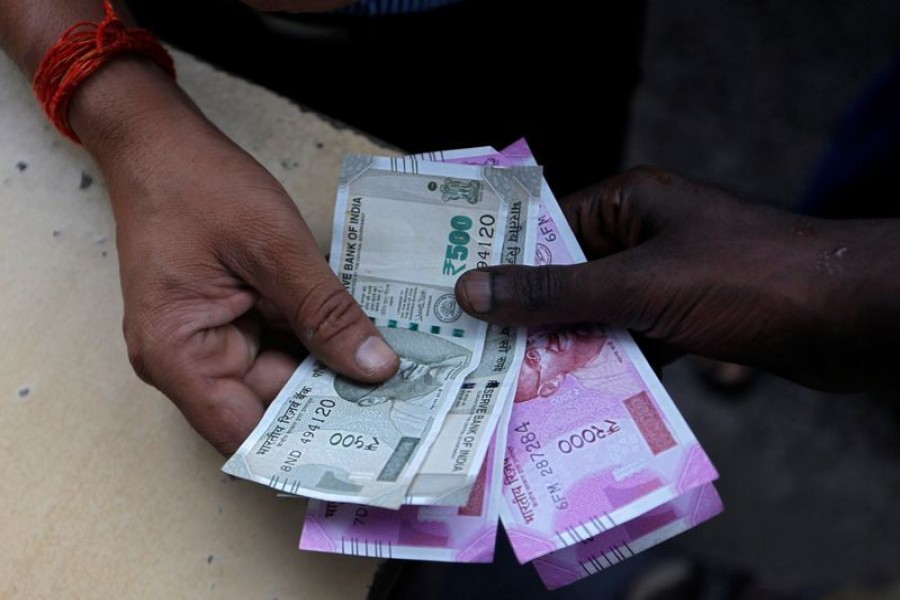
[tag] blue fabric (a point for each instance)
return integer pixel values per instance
(371, 8)
(857, 176)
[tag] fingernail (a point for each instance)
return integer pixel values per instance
(477, 290)
(374, 355)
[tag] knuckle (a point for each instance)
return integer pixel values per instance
(256, 248)
(219, 424)
(225, 447)
(224, 438)
(149, 342)
(260, 241)
(538, 289)
(138, 349)
(649, 175)
(208, 406)
(325, 314)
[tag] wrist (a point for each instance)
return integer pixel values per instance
(872, 287)
(860, 294)
(127, 107)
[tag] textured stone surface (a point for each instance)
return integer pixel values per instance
(107, 492)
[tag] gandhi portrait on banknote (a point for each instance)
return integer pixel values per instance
(426, 363)
(582, 352)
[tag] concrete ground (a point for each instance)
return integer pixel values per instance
(747, 94)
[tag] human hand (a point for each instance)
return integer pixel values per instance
(212, 253)
(688, 265)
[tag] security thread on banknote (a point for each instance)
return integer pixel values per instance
(454, 460)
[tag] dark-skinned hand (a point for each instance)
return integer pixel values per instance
(688, 265)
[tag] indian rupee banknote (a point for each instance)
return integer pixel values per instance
(611, 547)
(473, 428)
(441, 533)
(403, 232)
(454, 460)
(595, 440)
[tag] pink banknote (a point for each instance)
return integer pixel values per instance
(443, 533)
(615, 545)
(594, 439)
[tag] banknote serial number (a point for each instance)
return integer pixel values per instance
(539, 459)
(457, 254)
(320, 413)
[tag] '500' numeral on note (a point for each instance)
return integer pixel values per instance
(459, 238)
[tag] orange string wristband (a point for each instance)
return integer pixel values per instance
(82, 49)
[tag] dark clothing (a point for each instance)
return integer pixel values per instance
(856, 177)
(484, 72)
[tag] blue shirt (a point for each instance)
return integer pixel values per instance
(372, 8)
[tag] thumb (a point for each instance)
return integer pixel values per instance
(293, 276)
(598, 292)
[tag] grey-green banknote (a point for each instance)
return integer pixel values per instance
(403, 232)
(454, 460)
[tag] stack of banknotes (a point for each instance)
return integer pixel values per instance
(565, 435)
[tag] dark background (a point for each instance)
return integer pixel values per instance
(746, 94)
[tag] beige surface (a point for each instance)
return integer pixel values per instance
(106, 491)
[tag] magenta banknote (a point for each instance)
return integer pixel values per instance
(615, 545)
(443, 533)
(594, 439)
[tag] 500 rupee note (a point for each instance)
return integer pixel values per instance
(403, 233)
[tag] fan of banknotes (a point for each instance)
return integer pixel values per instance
(565, 435)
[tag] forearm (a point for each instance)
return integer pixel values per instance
(820, 302)
(28, 29)
(119, 108)
(862, 268)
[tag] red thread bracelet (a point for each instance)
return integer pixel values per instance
(82, 49)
